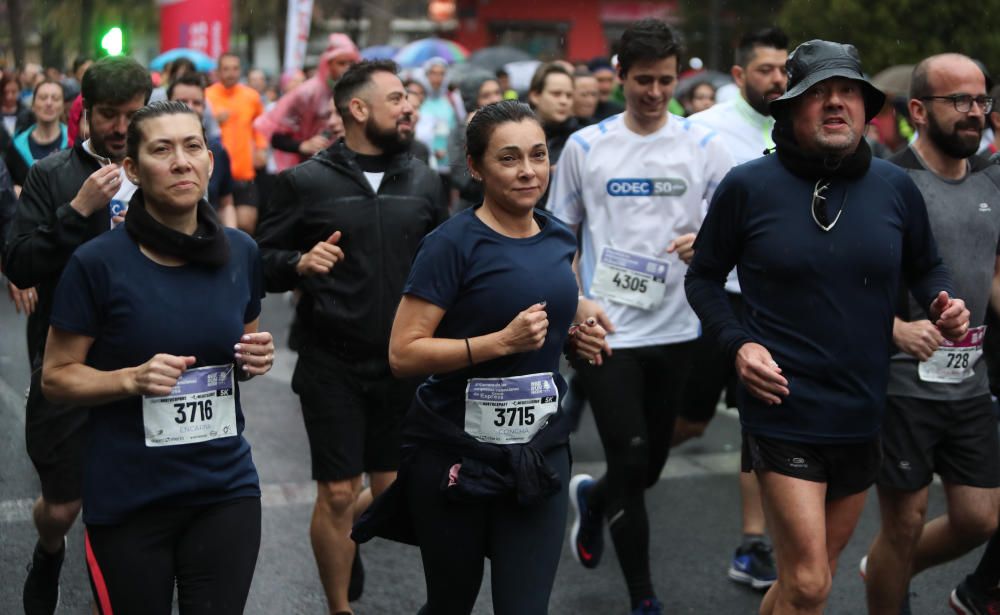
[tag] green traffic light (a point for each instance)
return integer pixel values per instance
(113, 42)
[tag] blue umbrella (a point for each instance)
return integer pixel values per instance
(379, 52)
(419, 51)
(202, 62)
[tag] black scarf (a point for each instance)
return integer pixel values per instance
(812, 166)
(207, 246)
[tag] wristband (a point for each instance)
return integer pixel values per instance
(468, 351)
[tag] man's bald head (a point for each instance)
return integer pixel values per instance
(928, 73)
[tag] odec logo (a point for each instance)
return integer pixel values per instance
(662, 186)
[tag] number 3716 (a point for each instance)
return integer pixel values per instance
(193, 410)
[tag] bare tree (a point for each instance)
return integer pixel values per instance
(15, 12)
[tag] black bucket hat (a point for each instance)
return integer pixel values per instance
(815, 61)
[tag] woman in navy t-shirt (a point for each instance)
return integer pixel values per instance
(488, 308)
(153, 324)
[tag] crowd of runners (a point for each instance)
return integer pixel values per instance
(446, 246)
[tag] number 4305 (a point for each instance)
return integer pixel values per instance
(201, 408)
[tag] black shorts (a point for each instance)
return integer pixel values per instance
(353, 410)
(56, 438)
(711, 372)
(956, 439)
(245, 194)
(845, 468)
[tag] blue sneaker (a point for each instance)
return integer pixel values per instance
(753, 565)
(587, 535)
(650, 606)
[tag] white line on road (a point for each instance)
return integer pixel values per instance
(283, 495)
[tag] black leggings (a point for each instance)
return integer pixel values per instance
(523, 543)
(209, 551)
(635, 397)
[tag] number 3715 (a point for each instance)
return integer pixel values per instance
(516, 415)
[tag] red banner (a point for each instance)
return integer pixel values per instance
(195, 24)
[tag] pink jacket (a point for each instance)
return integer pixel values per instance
(304, 112)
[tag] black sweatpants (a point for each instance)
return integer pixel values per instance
(210, 552)
(635, 396)
(523, 543)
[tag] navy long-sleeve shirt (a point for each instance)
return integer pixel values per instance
(821, 302)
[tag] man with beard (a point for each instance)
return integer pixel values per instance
(745, 124)
(823, 236)
(68, 198)
(342, 228)
(939, 417)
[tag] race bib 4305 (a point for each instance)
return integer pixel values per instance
(630, 278)
(201, 407)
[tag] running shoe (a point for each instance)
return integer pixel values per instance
(650, 606)
(41, 587)
(587, 535)
(753, 565)
(966, 600)
(356, 586)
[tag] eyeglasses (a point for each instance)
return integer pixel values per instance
(819, 213)
(963, 102)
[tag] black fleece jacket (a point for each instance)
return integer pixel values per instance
(46, 230)
(353, 306)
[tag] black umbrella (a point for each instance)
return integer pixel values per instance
(492, 58)
(713, 77)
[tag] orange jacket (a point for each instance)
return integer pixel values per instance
(242, 104)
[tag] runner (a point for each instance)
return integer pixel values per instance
(170, 487)
(822, 237)
(939, 416)
(68, 198)
(478, 88)
(45, 136)
(551, 97)
(585, 96)
(343, 228)
(744, 124)
(236, 106)
(486, 311)
(190, 90)
(296, 124)
(638, 214)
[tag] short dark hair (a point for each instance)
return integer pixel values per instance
(355, 79)
(133, 137)
(191, 79)
(230, 54)
(115, 80)
(80, 61)
(179, 65)
(773, 37)
(487, 119)
(647, 40)
(501, 73)
(542, 75)
(47, 81)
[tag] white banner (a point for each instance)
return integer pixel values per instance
(297, 33)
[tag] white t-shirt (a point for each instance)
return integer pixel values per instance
(638, 193)
(374, 179)
(745, 133)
